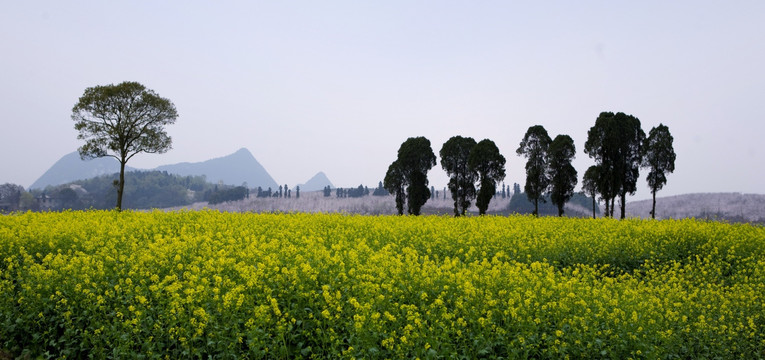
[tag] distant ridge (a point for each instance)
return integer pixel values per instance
(234, 169)
(71, 168)
(724, 206)
(316, 183)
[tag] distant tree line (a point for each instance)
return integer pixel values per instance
(14, 198)
(218, 196)
(146, 190)
(520, 204)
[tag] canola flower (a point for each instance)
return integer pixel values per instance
(236, 285)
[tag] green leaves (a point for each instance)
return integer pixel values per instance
(563, 176)
(658, 156)
(534, 147)
(454, 160)
(415, 159)
(615, 143)
(489, 164)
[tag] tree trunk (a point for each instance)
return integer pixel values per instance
(623, 204)
(593, 206)
(613, 206)
(653, 207)
(536, 207)
(121, 188)
(560, 210)
(608, 207)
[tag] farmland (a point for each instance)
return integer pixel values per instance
(242, 285)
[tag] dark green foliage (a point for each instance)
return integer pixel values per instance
(615, 142)
(356, 192)
(380, 190)
(659, 157)
(10, 197)
(454, 160)
(144, 190)
(415, 159)
(563, 176)
(223, 195)
(489, 165)
(590, 185)
(69, 199)
(121, 121)
(534, 148)
(394, 184)
(417, 193)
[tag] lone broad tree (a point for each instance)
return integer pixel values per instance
(121, 121)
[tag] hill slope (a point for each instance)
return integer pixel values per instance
(724, 206)
(72, 168)
(233, 169)
(316, 183)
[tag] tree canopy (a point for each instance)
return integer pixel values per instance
(562, 175)
(489, 164)
(590, 184)
(659, 157)
(534, 147)
(121, 121)
(416, 158)
(407, 176)
(454, 160)
(615, 142)
(394, 182)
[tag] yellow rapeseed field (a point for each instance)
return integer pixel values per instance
(202, 284)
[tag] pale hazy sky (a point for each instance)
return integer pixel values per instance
(337, 86)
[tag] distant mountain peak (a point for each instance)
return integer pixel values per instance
(316, 183)
(71, 167)
(233, 169)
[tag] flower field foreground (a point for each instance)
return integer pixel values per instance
(232, 285)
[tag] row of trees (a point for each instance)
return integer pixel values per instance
(475, 169)
(548, 168)
(465, 161)
(283, 192)
(620, 148)
(616, 142)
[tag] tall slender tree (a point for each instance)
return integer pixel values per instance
(590, 185)
(121, 121)
(489, 164)
(615, 143)
(562, 174)
(659, 157)
(454, 160)
(534, 147)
